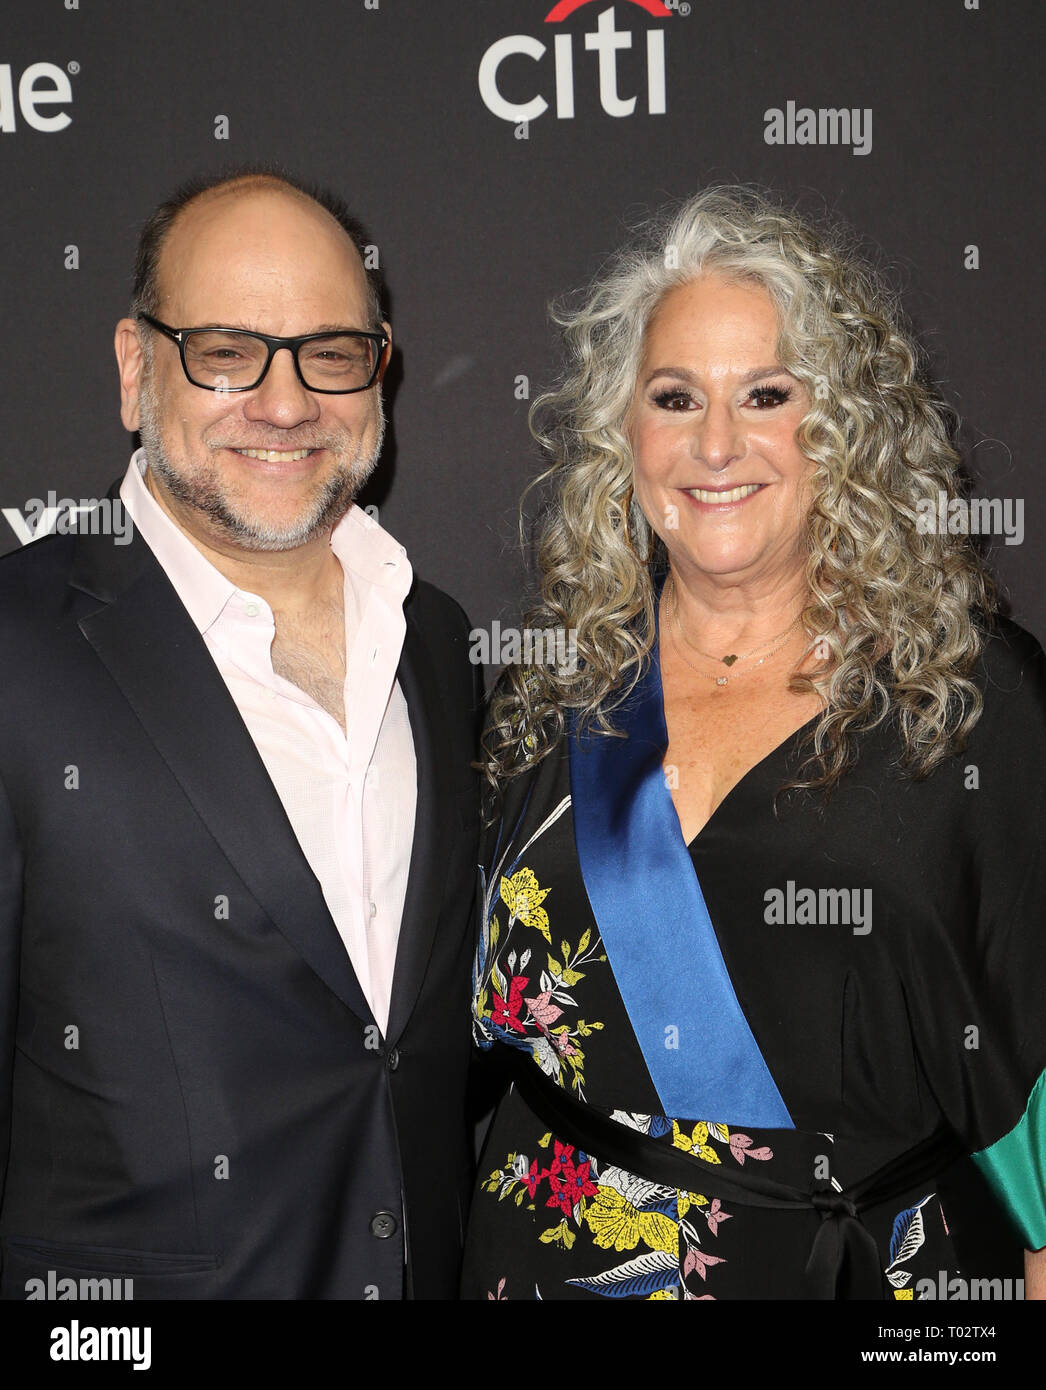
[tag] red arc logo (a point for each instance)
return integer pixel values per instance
(567, 7)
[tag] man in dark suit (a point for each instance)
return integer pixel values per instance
(237, 824)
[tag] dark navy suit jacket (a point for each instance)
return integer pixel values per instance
(193, 1093)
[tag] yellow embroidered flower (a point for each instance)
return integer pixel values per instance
(558, 1235)
(523, 896)
(695, 1143)
(616, 1225)
(658, 1231)
(685, 1200)
(612, 1221)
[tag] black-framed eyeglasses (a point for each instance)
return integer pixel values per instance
(233, 359)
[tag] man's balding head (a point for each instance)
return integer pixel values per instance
(147, 290)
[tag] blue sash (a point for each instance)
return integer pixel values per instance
(659, 939)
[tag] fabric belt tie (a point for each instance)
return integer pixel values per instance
(844, 1260)
(843, 1248)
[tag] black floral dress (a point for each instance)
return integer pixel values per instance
(925, 1015)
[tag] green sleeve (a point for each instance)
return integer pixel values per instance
(1015, 1167)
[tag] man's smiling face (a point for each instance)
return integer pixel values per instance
(268, 259)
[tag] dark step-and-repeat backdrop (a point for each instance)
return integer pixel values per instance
(497, 151)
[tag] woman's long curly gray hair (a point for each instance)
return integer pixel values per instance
(897, 610)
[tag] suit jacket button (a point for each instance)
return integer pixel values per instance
(383, 1225)
(392, 1059)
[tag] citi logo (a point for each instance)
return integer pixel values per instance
(41, 84)
(501, 68)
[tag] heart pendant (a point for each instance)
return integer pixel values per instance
(729, 660)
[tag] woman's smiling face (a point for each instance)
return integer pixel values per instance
(718, 472)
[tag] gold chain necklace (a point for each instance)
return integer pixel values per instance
(731, 657)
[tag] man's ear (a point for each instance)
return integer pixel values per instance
(387, 354)
(130, 360)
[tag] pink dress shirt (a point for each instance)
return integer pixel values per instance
(350, 797)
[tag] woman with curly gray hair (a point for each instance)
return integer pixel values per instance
(760, 937)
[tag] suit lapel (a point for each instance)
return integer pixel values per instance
(153, 651)
(433, 825)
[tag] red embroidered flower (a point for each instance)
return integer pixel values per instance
(568, 1182)
(506, 1012)
(534, 1176)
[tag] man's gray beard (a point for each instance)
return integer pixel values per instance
(204, 494)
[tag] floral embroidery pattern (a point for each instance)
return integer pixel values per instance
(523, 896)
(507, 1007)
(906, 1239)
(697, 1143)
(655, 1226)
(527, 995)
